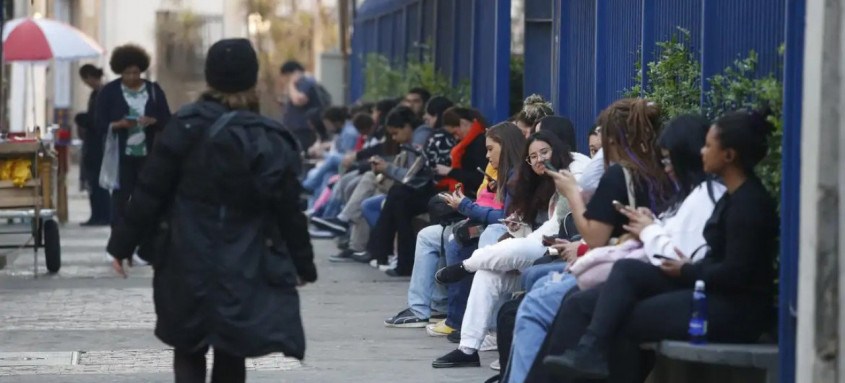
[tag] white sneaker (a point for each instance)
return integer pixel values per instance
(137, 261)
(490, 343)
(374, 264)
(393, 261)
(495, 366)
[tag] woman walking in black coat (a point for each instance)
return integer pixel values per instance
(135, 110)
(220, 192)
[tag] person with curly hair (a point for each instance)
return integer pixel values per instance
(534, 108)
(135, 110)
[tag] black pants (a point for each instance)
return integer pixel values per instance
(99, 198)
(130, 169)
(401, 205)
(189, 367)
(505, 323)
(640, 304)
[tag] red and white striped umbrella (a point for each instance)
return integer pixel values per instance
(40, 39)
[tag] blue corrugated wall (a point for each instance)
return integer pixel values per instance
(467, 39)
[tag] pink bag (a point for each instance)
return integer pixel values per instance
(593, 268)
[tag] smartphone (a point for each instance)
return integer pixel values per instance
(131, 118)
(618, 205)
(658, 256)
(549, 166)
(549, 240)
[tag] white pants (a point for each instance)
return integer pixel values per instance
(508, 255)
(490, 290)
(496, 278)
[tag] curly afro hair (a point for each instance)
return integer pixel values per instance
(127, 56)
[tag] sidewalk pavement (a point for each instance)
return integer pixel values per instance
(85, 324)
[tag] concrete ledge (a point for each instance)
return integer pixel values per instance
(763, 356)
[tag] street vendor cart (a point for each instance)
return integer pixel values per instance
(26, 193)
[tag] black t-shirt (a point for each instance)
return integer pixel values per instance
(612, 187)
(295, 117)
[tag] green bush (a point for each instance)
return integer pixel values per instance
(674, 79)
(382, 79)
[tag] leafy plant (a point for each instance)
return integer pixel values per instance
(382, 79)
(673, 79)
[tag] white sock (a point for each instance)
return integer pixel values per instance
(467, 350)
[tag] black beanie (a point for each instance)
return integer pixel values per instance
(231, 66)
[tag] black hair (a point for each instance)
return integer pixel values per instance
(562, 128)
(424, 94)
(81, 119)
(363, 107)
(291, 66)
(532, 192)
(747, 133)
(593, 131)
(683, 137)
(436, 106)
(315, 119)
(336, 114)
(384, 107)
(90, 71)
(363, 123)
(454, 115)
(127, 56)
(402, 116)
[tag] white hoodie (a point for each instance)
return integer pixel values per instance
(685, 229)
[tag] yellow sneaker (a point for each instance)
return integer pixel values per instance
(439, 329)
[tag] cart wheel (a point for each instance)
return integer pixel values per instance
(52, 246)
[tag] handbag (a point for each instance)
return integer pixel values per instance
(110, 168)
(467, 231)
(440, 213)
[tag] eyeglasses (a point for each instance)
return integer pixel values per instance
(542, 155)
(666, 161)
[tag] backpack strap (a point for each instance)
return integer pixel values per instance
(629, 185)
(221, 123)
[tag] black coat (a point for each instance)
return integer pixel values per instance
(225, 268)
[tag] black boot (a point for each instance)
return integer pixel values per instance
(582, 362)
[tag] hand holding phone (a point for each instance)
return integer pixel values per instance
(618, 206)
(549, 166)
(663, 257)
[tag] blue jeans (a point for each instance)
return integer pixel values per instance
(318, 177)
(371, 209)
(459, 292)
(424, 294)
(534, 273)
(533, 319)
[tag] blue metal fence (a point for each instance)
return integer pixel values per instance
(595, 44)
(467, 39)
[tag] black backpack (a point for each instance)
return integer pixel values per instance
(248, 156)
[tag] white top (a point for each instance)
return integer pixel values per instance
(685, 229)
(591, 175)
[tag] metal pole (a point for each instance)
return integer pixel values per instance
(3, 125)
(343, 8)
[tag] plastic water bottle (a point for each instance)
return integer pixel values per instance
(698, 321)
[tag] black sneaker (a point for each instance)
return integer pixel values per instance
(344, 256)
(457, 358)
(581, 362)
(454, 337)
(361, 256)
(343, 242)
(406, 319)
(451, 274)
(394, 273)
(333, 225)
